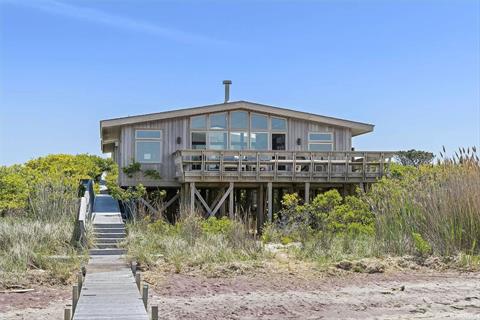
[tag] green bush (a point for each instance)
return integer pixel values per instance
(422, 247)
(191, 242)
(217, 226)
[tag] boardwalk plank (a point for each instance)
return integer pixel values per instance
(109, 290)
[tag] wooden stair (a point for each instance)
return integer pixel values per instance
(107, 239)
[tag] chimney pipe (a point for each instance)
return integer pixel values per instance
(227, 84)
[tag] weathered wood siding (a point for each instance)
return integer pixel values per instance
(180, 127)
(171, 129)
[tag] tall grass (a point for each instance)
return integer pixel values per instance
(191, 242)
(44, 229)
(434, 206)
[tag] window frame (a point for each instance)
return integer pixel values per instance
(209, 123)
(198, 131)
(252, 114)
(157, 140)
(230, 122)
(218, 131)
(269, 140)
(274, 130)
(321, 142)
(246, 135)
(206, 122)
(149, 129)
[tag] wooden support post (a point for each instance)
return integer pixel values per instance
(145, 295)
(307, 192)
(222, 200)
(260, 208)
(231, 211)
(192, 197)
(154, 312)
(80, 281)
(269, 199)
(138, 280)
(67, 313)
(74, 298)
(134, 267)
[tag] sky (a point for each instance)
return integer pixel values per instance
(412, 68)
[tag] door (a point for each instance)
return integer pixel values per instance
(279, 143)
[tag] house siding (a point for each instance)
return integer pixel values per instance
(180, 127)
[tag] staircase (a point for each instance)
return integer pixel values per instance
(107, 239)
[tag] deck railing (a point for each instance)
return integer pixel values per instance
(282, 166)
(84, 215)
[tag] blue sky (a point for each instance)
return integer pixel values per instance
(412, 68)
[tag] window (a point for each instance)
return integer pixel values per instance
(239, 120)
(238, 140)
(320, 137)
(320, 141)
(278, 141)
(218, 121)
(198, 122)
(217, 140)
(148, 146)
(279, 124)
(259, 141)
(148, 134)
(199, 140)
(259, 122)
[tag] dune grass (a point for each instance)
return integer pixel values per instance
(191, 242)
(421, 212)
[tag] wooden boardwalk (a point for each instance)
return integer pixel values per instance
(109, 290)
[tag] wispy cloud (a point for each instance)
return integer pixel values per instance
(115, 21)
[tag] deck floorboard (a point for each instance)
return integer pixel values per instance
(109, 290)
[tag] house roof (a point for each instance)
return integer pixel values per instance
(357, 127)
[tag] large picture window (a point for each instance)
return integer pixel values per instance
(239, 120)
(198, 122)
(217, 140)
(199, 140)
(320, 141)
(148, 146)
(259, 122)
(259, 141)
(238, 140)
(279, 124)
(218, 121)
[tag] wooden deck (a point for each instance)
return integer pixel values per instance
(109, 290)
(280, 166)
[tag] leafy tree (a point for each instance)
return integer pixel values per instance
(414, 157)
(19, 183)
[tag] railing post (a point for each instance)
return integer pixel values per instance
(329, 167)
(154, 312)
(312, 164)
(294, 165)
(346, 165)
(222, 164)
(276, 165)
(258, 165)
(381, 164)
(145, 295)
(80, 281)
(74, 298)
(67, 313)
(138, 280)
(240, 161)
(364, 166)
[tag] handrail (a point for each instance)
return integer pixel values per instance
(280, 165)
(85, 211)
